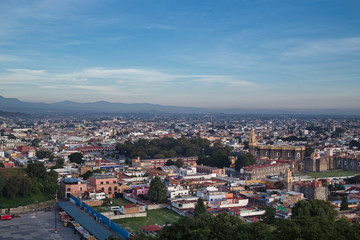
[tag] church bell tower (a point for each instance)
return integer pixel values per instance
(252, 142)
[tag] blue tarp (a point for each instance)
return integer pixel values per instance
(89, 224)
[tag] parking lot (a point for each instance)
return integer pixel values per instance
(33, 226)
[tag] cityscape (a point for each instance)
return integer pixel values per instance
(204, 120)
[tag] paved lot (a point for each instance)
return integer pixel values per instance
(36, 226)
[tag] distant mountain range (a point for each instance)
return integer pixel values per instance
(16, 105)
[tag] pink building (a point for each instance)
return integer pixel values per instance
(73, 186)
(107, 183)
(136, 191)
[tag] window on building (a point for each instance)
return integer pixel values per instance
(101, 182)
(68, 189)
(298, 155)
(102, 189)
(267, 153)
(107, 182)
(344, 162)
(289, 155)
(114, 181)
(109, 188)
(81, 188)
(278, 154)
(115, 188)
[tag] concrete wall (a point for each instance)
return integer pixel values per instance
(147, 206)
(112, 216)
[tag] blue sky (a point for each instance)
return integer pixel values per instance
(226, 54)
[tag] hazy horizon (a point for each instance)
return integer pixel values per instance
(290, 55)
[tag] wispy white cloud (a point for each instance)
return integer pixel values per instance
(94, 78)
(11, 58)
(26, 71)
(159, 26)
(222, 79)
(318, 48)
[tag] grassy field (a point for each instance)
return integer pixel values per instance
(9, 172)
(21, 201)
(119, 201)
(159, 216)
(115, 202)
(332, 173)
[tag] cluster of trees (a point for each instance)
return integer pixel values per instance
(244, 160)
(179, 163)
(354, 144)
(76, 158)
(41, 154)
(90, 173)
(36, 181)
(309, 150)
(353, 180)
(216, 155)
(312, 220)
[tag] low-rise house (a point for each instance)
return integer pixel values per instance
(177, 191)
(73, 186)
(132, 208)
(210, 170)
(107, 183)
(135, 191)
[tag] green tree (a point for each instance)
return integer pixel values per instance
(314, 208)
(2, 184)
(36, 170)
(169, 162)
(244, 160)
(309, 150)
(354, 143)
(269, 215)
(41, 154)
(344, 203)
(87, 174)
(60, 162)
(200, 207)
(179, 163)
(35, 142)
(353, 180)
(76, 158)
(157, 191)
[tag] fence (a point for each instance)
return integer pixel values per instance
(100, 218)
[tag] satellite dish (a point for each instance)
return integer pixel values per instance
(242, 171)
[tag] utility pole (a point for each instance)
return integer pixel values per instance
(55, 229)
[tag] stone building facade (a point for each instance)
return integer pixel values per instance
(294, 153)
(343, 161)
(288, 152)
(312, 190)
(264, 170)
